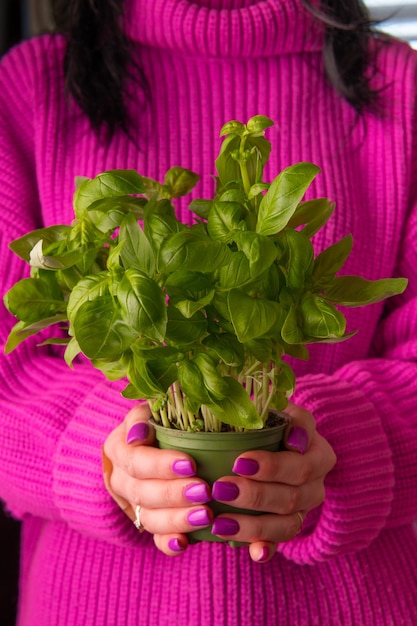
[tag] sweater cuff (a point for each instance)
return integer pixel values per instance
(359, 490)
(79, 489)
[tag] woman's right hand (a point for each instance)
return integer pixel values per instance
(172, 499)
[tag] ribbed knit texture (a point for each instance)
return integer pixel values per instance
(207, 62)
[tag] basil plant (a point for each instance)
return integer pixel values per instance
(196, 319)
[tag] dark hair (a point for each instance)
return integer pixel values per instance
(98, 59)
(347, 56)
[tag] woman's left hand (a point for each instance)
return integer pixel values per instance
(284, 486)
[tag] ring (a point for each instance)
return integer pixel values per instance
(137, 521)
(301, 520)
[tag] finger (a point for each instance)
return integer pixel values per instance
(262, 551)
(174, 521)
(154, 494)
(276, 498)
(258, 528)
(285, 466)
(171, 545)
(301, 429)
(146, 462)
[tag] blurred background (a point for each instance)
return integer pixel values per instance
(21, 19)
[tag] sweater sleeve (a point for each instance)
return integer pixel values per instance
(367, 411)
(53, 420)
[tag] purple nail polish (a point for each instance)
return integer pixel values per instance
(198, 517)
(298, 439)
(225, 526)
(197, 493)
(183, 467)
(246, 467)
(225, 491)
(138, 432)
(175, 545)
(264, 555)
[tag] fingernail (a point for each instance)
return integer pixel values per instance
(298, 439)
(175, 545)
(138, 432)
(225, 491)
(264, 555)
(246, 467)
(197, 493)
(200, 517)
(225, 526)
(183, 467)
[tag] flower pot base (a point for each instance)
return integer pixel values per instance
(215, 455)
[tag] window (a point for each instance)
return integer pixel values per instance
(400, 18)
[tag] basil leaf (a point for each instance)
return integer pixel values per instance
(356, 291)
(100, 329)
(281, 200)
(251, 317)
(33, 299)
(136, 252)
(236, 407)
(142, 304)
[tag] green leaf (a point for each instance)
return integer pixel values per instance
(33, 299)
(259, 123)
(355, 291)
(314, 214)
(108, 214)
(188, 281)
(201, 207)
(192, 250)
(226, 165)
(53, 234)
(192, 382)
(236, 407)
(143, 304)
(23, 330)
(182, 331)
(259, 250)
(212, 379)
(136, 252)
(224, 219)
(71, 352)
(180, 181)
(298, 258)
(226, 347)
(251, 317)
(280, 202)
(87, 289)
(320, 319)
(110, 184)
(144, 384)
(54, 262)
(160, 222)
(232, 127)
(331, 260)
(101, 331)
(189, 307)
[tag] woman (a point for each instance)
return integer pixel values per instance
(336, 545)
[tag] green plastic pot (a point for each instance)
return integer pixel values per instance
(215, 454)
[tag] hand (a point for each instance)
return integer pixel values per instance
(163, 482)
(285, 485)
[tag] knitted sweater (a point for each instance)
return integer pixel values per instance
(207, 62)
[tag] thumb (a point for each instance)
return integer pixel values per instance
(138, 429)
(300, 429)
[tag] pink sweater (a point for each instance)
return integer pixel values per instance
(83, 562)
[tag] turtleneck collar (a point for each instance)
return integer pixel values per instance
(224, 28)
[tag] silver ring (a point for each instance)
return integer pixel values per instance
(301, 520)
(137, 521)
